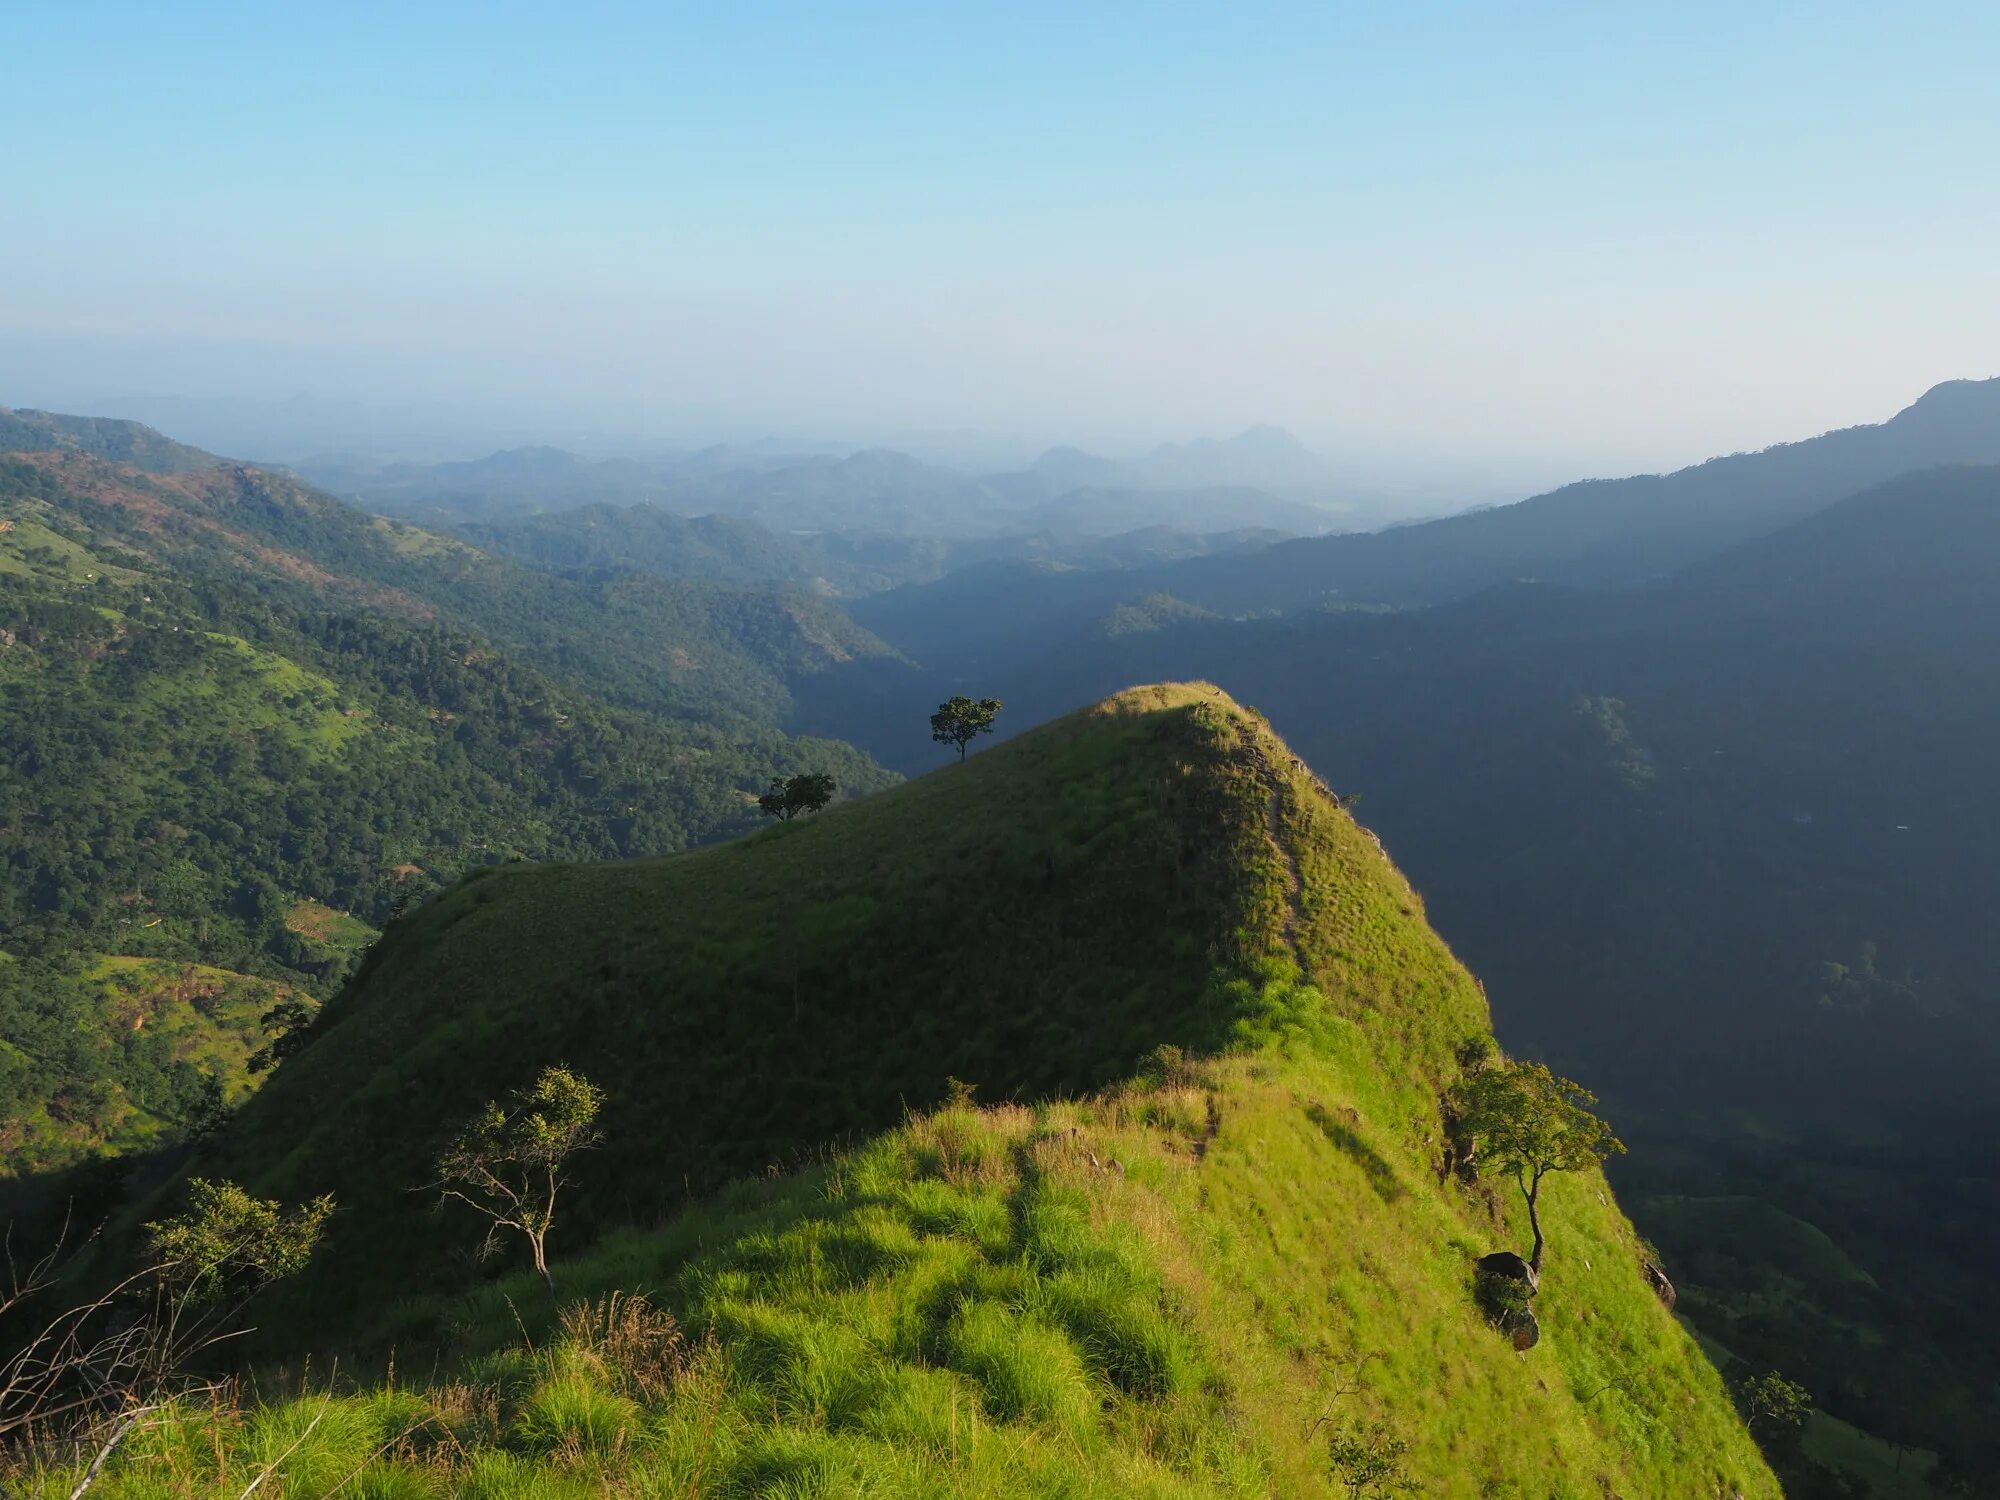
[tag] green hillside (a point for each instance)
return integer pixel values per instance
(117, 1052)
(1727, 847)
(99, 437)
(685, 646)
(231, 736)
(1129, 1275)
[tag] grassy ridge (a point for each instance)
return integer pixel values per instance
(1178, 1288)
(1123, 1278)
(1031, 922)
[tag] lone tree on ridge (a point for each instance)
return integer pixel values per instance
(960, 719)
(791, 795)
(1527, 1121)
(507, 1160)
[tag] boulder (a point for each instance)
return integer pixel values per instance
(1508, 1266)
(1657, 1280)
(1523, 1328)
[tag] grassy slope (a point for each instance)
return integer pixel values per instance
(1155, 1289)
(982, 1304)
(1031, 922)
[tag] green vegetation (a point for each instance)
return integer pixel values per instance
(959, 720)
(1150, 1292)
(329, 928)
(1202, 1246)
(82, 1369)
(807, 792)
(99, 437)
(1770, 1401)
(115, 1054)
(506, 1163)
(1523, 1120)
(240, 740)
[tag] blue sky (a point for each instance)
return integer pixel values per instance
(1605, 235)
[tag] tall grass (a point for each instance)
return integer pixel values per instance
(1174, 1289)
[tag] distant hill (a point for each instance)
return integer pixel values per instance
(647, 539)
(647, 642)
(877, 490)
(1263, 458)
(1102, 511)
(873, 493)
(529, 481)
(1600, 533)
(1266, 457)
(98, 437)
(1156, 1289)
(1607, 532)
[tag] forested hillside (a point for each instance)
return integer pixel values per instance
(246, 725)
(672, 645)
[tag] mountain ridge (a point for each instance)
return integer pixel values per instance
(1594, 533)
(1213, 1245)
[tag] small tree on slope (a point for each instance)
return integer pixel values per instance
(1527, 1121)
(790, 796)
(507, 1161)
(959, 720)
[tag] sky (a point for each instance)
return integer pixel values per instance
(1599, 237)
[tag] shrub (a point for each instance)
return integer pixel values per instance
(640, 1345)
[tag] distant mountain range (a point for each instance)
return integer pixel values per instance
(1261, 480)
(1598, 533)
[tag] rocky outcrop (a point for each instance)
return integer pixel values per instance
(1657, 1280)
(1509, 1266)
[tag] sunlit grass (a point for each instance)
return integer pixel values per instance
(1097, 1297)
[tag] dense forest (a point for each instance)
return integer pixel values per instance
(236, 750)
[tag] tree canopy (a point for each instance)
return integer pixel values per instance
(1529, 1122)
(959, 720)
(807, 792)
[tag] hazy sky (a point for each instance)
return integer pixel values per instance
(1618, 235)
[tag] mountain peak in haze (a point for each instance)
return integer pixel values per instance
(1072, 468)
(1952, 405)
